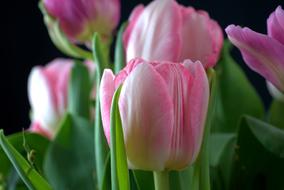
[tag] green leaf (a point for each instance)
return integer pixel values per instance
(119, 167)
(59, 39)
(259, 162)
(69, 162)
(144, 179)
(28, 174)
(101, 146)
(24, 143)
(79, 100)
(34, 142)
(222, 151)
(107, 175)
(218, 144)
(271, 138)
(119, 62)
(236, 96)
(276, 116)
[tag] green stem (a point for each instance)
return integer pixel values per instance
(161, 180)
(204, 170)
(203, 160)
(101, 146)
(196, 177)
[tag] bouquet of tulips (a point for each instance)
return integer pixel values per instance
(157, 104)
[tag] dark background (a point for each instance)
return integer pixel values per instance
(25, 43)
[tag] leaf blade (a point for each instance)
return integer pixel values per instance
(119, 167)
(28, 174)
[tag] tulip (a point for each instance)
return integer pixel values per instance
(167, 31)
(47, 93)
(79, 19)
(163, 106)
(263, 53)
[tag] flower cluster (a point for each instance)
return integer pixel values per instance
(159, 106)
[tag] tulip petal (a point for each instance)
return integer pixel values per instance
(275, 25)
(189, 90)
(42, 99)
(57, 72)
(107, 89)
(204, 37)
(69, 14)
(196, 108)
(79, 19)
(154, 36)
(262, 54)
(135, 14)
(147, 117)
(36, 128)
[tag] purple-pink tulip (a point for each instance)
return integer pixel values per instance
(163, 107)
(47, 92)
(167, 31)
(263, 53)
(79, 19)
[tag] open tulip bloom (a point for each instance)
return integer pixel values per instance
(173, 110)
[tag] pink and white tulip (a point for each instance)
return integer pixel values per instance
(263, 53)
(47, 93)
(163, 107)
(167, 31)
(79, 19)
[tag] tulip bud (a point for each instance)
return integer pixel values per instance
(165, 30)
(163, 107)
(47, 92)
(79, 20)
(263, 53)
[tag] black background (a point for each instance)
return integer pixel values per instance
(25, 43)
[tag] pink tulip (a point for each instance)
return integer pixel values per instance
(165, 30)
(263, 53)
(47, 92)
(79, 19)
(163, 106)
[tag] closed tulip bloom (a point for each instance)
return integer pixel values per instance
(165, 30)
(263, 53)
(47, 93)
(163, 106)
(79, 19)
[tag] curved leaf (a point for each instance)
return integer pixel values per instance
(69, 162)
(29, 175)
(119, 167)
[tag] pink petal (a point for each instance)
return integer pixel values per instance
(275, 25)
(58, 73)
(189, 91)
(154, 36)
(42, 100)
(69, 13)
(262, 54)
(201, 37)
(36, 128)
(79, 19)
(107, 90)
(132, 22)
(196, 107)
(147, 118)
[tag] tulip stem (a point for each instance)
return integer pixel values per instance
(161, 180)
